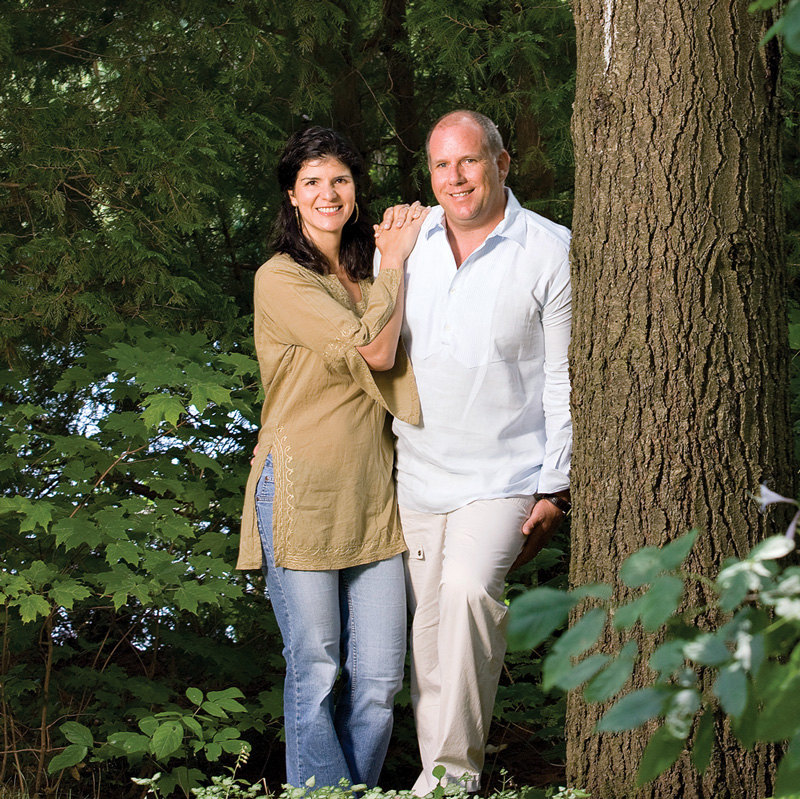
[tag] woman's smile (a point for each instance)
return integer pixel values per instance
(324, 195)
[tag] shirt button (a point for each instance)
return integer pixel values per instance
(447, 327)
(452, 291)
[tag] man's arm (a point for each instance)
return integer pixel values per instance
(546, 516)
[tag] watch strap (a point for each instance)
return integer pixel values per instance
(562, 504)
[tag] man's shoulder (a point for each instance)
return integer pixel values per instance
(540, 229)
(432, 222)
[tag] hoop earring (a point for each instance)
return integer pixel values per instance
(297, 217)
(357, 214)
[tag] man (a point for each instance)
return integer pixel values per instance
(483, 480)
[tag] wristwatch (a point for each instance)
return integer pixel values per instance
(562, 504)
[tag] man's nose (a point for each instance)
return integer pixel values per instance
(455, 175)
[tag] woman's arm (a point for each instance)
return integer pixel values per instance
(395, 245)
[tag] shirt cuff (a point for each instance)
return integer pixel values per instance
(551, 481)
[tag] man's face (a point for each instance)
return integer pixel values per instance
(466, 179)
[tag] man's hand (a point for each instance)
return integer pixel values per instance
(538, 528)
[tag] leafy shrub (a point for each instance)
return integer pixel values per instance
(122, 490)
(753, 656)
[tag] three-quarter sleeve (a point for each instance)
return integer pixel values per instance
(300, 312)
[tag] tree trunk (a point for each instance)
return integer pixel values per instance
(679, 355)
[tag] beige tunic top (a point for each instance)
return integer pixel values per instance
(324, 420)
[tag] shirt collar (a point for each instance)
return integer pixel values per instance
(511, 226)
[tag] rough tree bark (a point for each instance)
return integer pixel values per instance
(679, 363)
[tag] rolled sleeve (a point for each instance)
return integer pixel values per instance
(301, 313)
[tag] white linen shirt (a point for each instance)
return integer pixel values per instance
(488, 344)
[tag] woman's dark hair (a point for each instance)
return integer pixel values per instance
(358, 242)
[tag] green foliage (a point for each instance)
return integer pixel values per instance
(233, 788)
(130, 139)
(165, 736)
(787, 26)
(746, 668)
(139, 145)
(121, 497)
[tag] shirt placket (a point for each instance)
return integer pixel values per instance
(453, 308)
(456, 311)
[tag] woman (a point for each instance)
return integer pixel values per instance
(320, 500)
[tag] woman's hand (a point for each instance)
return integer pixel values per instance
(396, 235)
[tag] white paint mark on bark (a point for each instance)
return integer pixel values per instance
(608, 31)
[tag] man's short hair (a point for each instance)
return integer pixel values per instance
(492, 139)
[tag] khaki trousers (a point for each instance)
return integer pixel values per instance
(456, 566)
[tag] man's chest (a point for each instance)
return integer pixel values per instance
(487, 310)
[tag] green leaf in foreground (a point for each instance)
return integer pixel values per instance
(612, 679)
(780, 718)
(788, 775)
(582, 634)
(160, 407)
(662, 750)
(194, 695)
(67, 592)
(537, 615)
(707, 650)
(166, 739)
(667, 658)
(634, 709)
(30, 606)
(559, 673)
(645, 565)
(77, 733)
(71, 756)
(703, 742)
(731, 689)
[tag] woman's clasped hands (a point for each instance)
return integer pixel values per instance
(397, 233)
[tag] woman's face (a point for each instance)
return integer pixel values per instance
(325, 196)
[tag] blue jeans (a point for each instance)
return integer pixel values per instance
(353, 620)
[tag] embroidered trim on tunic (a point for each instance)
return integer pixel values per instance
(338, 347)
(284, 508)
